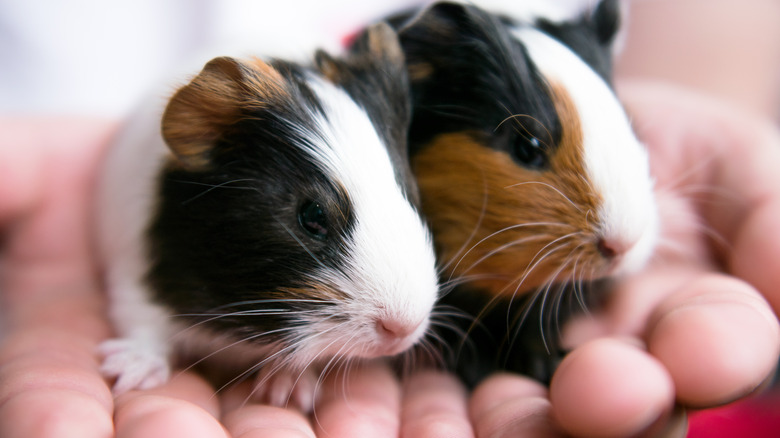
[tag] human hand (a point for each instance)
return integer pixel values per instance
(54, 317)
(698, 327)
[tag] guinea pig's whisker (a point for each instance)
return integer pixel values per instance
(476, 227)
(667, 247)
(214, 317)
(461, 112)
(579, 292)
(326, 368)
(541, 255)
(212, 187)
(545, 312)
(689, 173)
(335, 363)
(503, 230)
(265, 301)
(235, 343)
(446, 311)
(708, 193)
(523, 130)
(302, 245)
(450, 285)
(550, 280)
(550, 186)
(503, 247)
(587, 183)
(293, 345)
(428, 351)
(453, 351)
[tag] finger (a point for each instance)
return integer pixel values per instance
(185, 406)
(434, 405)
(718, 339)
(51, 386)
(361, 402)
(610, 388)
(20, 169)
(262, 421)
(630, 305)
(508, 405)
(756, 254)
(726, 161)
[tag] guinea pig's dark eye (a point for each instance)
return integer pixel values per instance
(312, 218)
(530, 152)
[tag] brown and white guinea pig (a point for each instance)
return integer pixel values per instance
(267, 220)
(530, 174)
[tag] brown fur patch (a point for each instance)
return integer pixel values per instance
(473, 193)
(314, 291)
(419, 71)
(199, 112)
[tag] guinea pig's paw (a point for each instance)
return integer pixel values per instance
(283, 388)
(135, 365)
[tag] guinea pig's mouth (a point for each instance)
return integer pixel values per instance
(385, 337)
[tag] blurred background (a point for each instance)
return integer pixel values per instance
(96, 57)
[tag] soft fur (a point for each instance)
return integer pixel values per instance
(530, 174)
(272, 226)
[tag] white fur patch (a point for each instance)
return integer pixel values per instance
(392, 262)
(616, 162)
(139, 358)
(391, 269)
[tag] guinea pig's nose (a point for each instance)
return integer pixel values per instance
(393, 329)
(608, 249)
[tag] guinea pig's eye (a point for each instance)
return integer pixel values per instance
(312, 218)
(530, 152)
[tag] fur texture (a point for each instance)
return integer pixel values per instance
(273, 226)
(530, 175)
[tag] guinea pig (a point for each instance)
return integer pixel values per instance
(531, 177)
(267, 220)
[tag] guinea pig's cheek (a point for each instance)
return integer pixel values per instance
(489, 216)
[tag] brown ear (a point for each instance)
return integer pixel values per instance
(381, 42)
(200, 112)
(376, 47)
(328, 65)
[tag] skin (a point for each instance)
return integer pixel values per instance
(697, 328)
(729, 49)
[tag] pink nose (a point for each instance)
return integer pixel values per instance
(608, 249)
(393, 329)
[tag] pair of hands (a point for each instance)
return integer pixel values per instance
(682, 332)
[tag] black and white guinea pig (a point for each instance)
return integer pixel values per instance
(268, 221)
(530, 173)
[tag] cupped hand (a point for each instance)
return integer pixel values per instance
(53, 316)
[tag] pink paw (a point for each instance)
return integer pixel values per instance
(134, 364)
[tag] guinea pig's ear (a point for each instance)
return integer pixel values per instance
(605, 20)
(441, 35)
(375, 49)
(328, 65)
(200, 112)
(441, 19)
(380, 43)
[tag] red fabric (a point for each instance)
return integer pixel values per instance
(756, 417)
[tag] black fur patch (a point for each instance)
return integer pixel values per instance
(231, 234)
(376, 79)
(591, 36)
(228, 235)
(469, 74)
